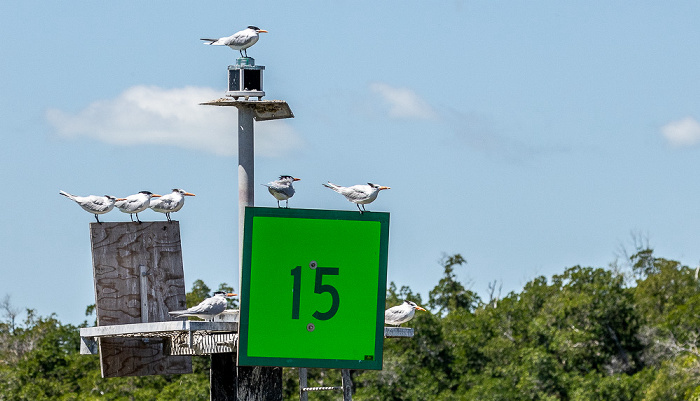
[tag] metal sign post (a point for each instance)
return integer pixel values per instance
(255, 384)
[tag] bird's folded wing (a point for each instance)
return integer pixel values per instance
(355, 194)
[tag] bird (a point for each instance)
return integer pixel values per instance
(240, 40)
(401, 313)
(282, 189)
(170, 203)
(93, 203)
(208, 308)
(135, 204)
(358, 194)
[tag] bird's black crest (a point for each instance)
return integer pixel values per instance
(285, 176)
(253, 27)
(146, 192)
(219, 292)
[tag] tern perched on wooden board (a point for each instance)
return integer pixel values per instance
(206, 309)
(358, 194)
(135, 204)
(170, 203)
(401, 313)
(282, 189)
(93, 203)
(240, 40)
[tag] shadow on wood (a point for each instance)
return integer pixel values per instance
(138, 277)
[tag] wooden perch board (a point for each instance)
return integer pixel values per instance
(126, 258)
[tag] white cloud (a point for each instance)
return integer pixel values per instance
(681, 133)
(152, 115)
(403, 102)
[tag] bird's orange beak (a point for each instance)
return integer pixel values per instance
(156, 196)
(380, 188)
(262, 30)
(419, 308)
(121, 199)
(297, 179)
(188, 194)
(230, 294)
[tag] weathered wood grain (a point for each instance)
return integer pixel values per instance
(259, 383)
(118, 252)
(222, 377)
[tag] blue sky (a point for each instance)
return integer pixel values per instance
(527, 136)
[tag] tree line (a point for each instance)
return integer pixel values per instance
(616, 333)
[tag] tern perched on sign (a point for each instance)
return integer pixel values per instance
(240, 40)
(170, 203)
(358, 194)
(93, 203)
(135, 204)
(206, 309)
(401, 314)
(282, 189)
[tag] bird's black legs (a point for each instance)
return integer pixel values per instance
(137, 218)
(132, 216)
(358, 208)
(287, 204)
(278, 203)
(98, 220)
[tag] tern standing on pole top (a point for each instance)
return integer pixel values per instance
(170, 203)
(93, 203)
(240, 40)
(358, 194)
(135, 204)
(282, 189)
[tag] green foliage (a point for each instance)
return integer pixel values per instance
(199, 293)
(450, 295)
(581, 335)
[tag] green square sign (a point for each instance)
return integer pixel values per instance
(313, 290)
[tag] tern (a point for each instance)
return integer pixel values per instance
(135, 204)
(170, 203)
(401, 313)
(208, 308)
(240, 40)
(93, 203)
(282, 189)
(358, 194)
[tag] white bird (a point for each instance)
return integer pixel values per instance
(240, 40)
(358, 194)
(170, 203)
(401, 313)
(135, 204)
(93, 203)
(282, 189)
(208, 308)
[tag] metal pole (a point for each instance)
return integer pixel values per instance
(246, 176)
(255, 383)
(347, 385)
(303, 383)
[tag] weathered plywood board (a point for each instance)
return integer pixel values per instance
(125, 258)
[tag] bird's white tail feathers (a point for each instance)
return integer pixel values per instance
(331, 186)
(210, 41)
(67, 195)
